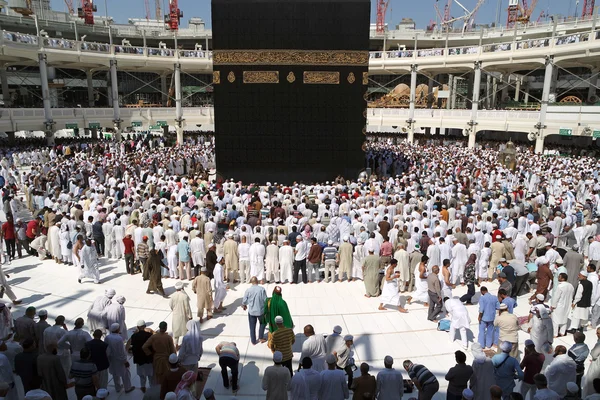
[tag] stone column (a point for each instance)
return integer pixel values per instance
(475, 104)
(90, 88)
(114, 84)
(178, 110)
(548, 76)
(413, 98)
(48, 121)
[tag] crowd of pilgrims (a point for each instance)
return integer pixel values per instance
(451, 217)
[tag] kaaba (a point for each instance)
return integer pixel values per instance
(290, 81)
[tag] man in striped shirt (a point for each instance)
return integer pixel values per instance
(424, 380)
(283, 340)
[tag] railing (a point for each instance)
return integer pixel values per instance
(15, 38)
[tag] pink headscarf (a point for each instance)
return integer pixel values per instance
(186, 380)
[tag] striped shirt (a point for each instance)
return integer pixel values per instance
(283, 339)
(82, 372)
(229, 350)
(421, 374)
(329, 253)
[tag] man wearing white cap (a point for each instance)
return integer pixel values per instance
(257, 260)
(508, 325)
(343, 358)
(96, 315)
(581, 303)
(345, 259)
(182, 312)
(561, 305)
(230, 251)
(201, 286)
(282, 340)
(142, 361)
(220, 286)
(117, 356)
(334, 340)
(276, 379)
(333, 381)
(390, 385)
(115, 313)
(300, 255)
(329, 258)
(286, 261)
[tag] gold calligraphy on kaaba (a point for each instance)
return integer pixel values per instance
(321, 77)
(290, 57)
(216, 77)
(365, 78)
(291, 78)
(261, 76)
(351, 78)
(231, 77)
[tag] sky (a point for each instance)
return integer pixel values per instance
(421, 12)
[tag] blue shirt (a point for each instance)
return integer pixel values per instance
(488, 305)
(510, 303)
(255, 298)
(507, 372)
(183, 248)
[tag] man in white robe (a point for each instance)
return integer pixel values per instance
(118, 234)
(89, 262)
(459, 320)
(315, 348)
(286, 261)
(459, 259)
(257, 260)
(561, 305)
(333, 381)
(403, 266)
(53, 335)
(117, 357)
(115, 314)
(272, 263)
(433, 252)
(96, 315)
(220, 285)
(198, 252)
(53, 243)
(107, 230)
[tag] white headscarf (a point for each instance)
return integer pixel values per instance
(193, 328)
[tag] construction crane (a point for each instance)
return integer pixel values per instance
(147, 9)
(519, 12)
(542, 16)
(174, 16)
(446, 16)
(70, 8)
(158, 10)
(382, 6)
(86, 11)
(588, 8)
(467, 18)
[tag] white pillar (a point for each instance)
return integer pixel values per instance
(488, 92)
(430, 93)
(475, 104)
(90, 85)
(450, 91)
(114, 84)
(48, 121)
(164, 89)
(178, 109)
(5, 90)
(505, 83)
(413, 98)
(539, 143)
(591, 91)
(517, 88)
(494, 92)
(526, 97)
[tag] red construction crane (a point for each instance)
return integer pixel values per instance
(174, 16)
(588, 8)
(519, 12)
(70, 7)
(382, 6)
(86, 11)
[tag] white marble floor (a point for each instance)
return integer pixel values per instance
(376, 333)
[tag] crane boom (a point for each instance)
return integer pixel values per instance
(588, 8)
(158, 10)
(70, 8)
(382, 6)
